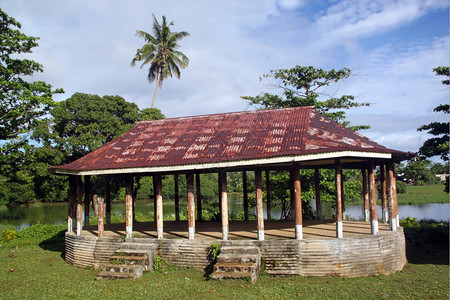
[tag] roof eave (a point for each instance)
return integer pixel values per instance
(254, 163)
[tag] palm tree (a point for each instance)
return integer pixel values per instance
(160, 51)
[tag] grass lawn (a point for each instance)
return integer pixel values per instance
(423, 195)
(40, 272)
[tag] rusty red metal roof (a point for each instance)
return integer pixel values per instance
(239, 136)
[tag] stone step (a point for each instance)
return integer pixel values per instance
(242, 250)
(116, 275)
(238, 258)
(123, 268)
(130, 260)
(139, 246)
(233, 275)
(235, 267)
(131, 252)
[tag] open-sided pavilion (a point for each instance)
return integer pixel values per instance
(252, 141)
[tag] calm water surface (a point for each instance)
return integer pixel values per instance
(56, 213)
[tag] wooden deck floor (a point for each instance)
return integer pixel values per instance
(240, 230)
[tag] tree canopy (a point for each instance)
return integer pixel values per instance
(160, 51)
(23, 102)
(300, 87)
(439, 144)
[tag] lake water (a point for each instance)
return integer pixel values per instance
(56, 213)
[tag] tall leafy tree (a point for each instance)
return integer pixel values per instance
(22, 101)
(302, 86)
(161, 52)
(439, 144)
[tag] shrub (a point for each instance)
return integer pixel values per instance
(8, 235)
(401, 187)
(420, 183)
(425, 232)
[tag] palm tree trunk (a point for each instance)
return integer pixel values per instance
(155, 92)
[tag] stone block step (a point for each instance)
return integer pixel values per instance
(115, 275)
(129, 260)
(238, 258)
(243, 250)
(235, 267)
(138, 246)
(131, 252)
(123, 268)
(233, 275)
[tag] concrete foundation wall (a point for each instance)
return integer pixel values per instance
(347, 257)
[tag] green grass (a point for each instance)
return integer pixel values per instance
(423, 195)
(38, 271)
(30, 272)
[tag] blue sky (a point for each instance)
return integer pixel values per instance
(391, 46)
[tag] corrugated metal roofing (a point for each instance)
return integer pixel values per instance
(225, 137)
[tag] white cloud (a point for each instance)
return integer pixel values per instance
(355, 19)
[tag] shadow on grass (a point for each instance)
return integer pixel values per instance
(427, 243)
(55, 243)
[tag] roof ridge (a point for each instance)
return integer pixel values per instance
(230, 113)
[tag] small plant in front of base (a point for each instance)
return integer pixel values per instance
(157, 263)
(214, 251)
(116, 261)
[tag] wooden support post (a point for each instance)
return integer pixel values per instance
(71, 199)
(365, 192)
(159, 206)
(394, 192)
(79, 205)
(373, 200)
(108, 199)
(338, 179)
(154, 199)
(342, 192)
(390, 197)
(177, 198)
(190, 205)
(384, 208)
(259, 204)
(245, 192)
(220, 199)
(134, 195)
(298, 202)
(101, 217)
(269, 209)
(128, 206)
(224, 204)
(199, 197)
(87, 199)
(291, 194)
(317, 190)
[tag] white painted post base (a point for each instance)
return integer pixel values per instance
(366, 215)
(191, 233)
(298, 232)
(129, 232)
(393, 224)
(69, 225)
(398, 221)
(385, 216)
(374, 227)
(261, 235)
(225, 231)
(339, 230)
(160, 233)
(79, 227)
